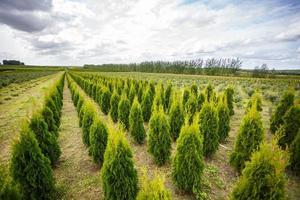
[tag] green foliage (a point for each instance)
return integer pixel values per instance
(176, 117)
(224, 119)
(255, 99)
(250, 136)
(191, 107)
(136, 122)
(209, 92)
(47, 141)
(208, 125)
(105, 101)
(131, 94)
(30, 168)
(159, 97)
(119, 176)
(186, 95)
(114, 102)
(8, 189)
(52, 106)
(285, 103)
(167, 97)
(188, 164)
(229, 92)
(146, 105)
(263, 177)
(123, 111)
(153, 189)
(200, 101)
(291, 125)
(159, 142)
(194, 89)
(295, 154)
(98, 140)
(48, 117)
(79, 104)
(89, 113)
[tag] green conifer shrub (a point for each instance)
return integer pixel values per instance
(176, 117)
(51, 105)
(167, 96)
(208, 125)
(114, 102)
(48, 117)
(194, 89)
(89, 113)
(98, 140)
(159, 141)
(263, 176)
(224, 119)
(188, 164)
(131, 94)
(8, 189)
(30, 168)
(295, 154)
(255, 99)
(105, 100)
(229, 92)
(153, 189)
(250, 136)
(47, 141)
(191, 107)
(285, 103)
(185, 98)
(123, 111)
(146, 105)
(200, 101)
(119, 176)
(209, 92)
(136, 122)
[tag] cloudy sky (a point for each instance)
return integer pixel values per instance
(76, 32)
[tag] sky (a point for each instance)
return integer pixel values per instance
(77, 32)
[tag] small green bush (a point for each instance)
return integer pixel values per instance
(224, 119)
(209, 93)
(136, 124)
(229, 92)
(123, 111)
(146, 105)
(48, 117)
(132, 94)
(98, 140)
(250, 136)
(167, 97)
(255, 99)
(264, 176)
(208, 125)
(291, 124)
(191, 107)
(119, 176)
(51, 105)
(186, 95)
(8, 189)
(176, 118)
(200, 101)
(285, 103)
(188, 165)
(153, 189)
(47, 142)
(105, 101)
(30, 168)
(89, 113)
(114, 102)
(295, 154)
(194, 89)
(159, 142)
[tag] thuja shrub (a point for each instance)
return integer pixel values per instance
(295, 154)
(167, 97)
(119, 176)
(208, 126)
(159, 141)
(200, 101)
(185, 97)
(79, 104)
(263, 176)
(255, 99)
(131, 94)
(105, 100)
(30, 168)
(250, 136)
(188, 165)
(176, 117)
(291, 124)
(194, 89)
(89, 113)
(159, 97)
(98, 140)
(153, 189)
(114, 102)
(146, 105)
(123, 111)
(136, 122)
(209, 92)
(229, 92)
(191, 107)
(51, 105)
(8, 189)
(224, 119)
(285, 103)
(47, 141)
(48, 117)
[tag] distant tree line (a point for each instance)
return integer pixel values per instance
(212, 66)
(263, 71)
(12, 62)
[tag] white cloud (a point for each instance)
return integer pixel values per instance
(109, 31)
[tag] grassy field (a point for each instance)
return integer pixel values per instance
(77, 177)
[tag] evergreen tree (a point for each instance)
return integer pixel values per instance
(186, 95)
(105, 100)
(159, 142)
(191, 107)
(8, 189)
(250, 136)
(194, 89)
(89, 113)
(263, 177)
(167, 97)
(48, 117)
(208, 125)
(146, 105)
(132, 93)
(119, 176)
(224, 119)
(209, 93)
(188, 165)
(176, 117)
(255, 99)
(98, 140)
(30, 168)
(285, 103)
(136, 122)
(229, 92)
(114, 102)
(123, 111)
(295, 154)
(200, 101)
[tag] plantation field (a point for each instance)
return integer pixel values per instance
(84, 104)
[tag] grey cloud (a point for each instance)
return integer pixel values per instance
(26, 5)
(51, 47)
